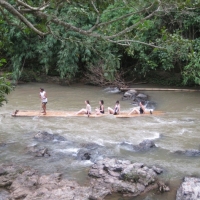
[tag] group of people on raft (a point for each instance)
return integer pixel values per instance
(99, 111)
(114, 111)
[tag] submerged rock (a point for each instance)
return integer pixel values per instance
(189, 189)
(145, 145)
(130, 94)
(90, 151)
(2, 144)
(150, 104)
(37, 151)
(190, 152)
(45, 137)
(112, 90)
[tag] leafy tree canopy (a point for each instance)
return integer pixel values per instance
(102, 15)
(70, 36)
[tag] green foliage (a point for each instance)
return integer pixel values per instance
(28, 76)
(67, 56)
(71, 53)
(133, 176)
(5, 86)
(2, 62)
(191, 73)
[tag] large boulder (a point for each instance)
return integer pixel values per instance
(130, 94)
(189, 189)
(125, 177)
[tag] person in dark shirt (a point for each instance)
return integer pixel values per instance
(100, 110)
(138, 110)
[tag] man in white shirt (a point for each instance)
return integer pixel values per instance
(43, 96)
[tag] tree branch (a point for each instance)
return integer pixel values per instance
(14, 12)
(128, 42)
(42, 7)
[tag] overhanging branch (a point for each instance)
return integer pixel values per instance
(14, 12)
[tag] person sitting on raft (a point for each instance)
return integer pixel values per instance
(116, 110)
(100, 110)
(138, 110)
(87, 110)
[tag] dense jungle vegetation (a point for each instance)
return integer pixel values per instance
(103, 41)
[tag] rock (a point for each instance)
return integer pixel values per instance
(38, 151)
(2, 144)
(83, 155)
(27, 184)
(4, 195)
(111, 175)
(90, 151)
(45, 137)
(190, 152)
(130, 94)
(145, 145)
(126, 146)
(150, 105)
(142, 96)
(189, 189)
(157, 170)
(162, 187)
(112, 90)
(2, 171)
(128, 178)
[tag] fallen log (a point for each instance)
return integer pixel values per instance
(160, 89)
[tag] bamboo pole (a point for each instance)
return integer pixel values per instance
(160, 89)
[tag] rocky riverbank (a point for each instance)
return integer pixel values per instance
(106, 176)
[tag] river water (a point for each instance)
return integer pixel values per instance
(177, 129)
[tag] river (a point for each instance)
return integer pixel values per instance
(177, 129)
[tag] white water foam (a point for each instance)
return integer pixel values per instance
(154, 136)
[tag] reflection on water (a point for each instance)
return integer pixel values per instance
(177, 129)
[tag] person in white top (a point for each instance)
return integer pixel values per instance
(43, 97)
(87, 110)
(116, 110)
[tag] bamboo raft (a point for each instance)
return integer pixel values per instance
(126, 115)
(34, 113)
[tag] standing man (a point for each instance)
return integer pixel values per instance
(43, 96)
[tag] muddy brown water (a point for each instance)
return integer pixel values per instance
(177, 129)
